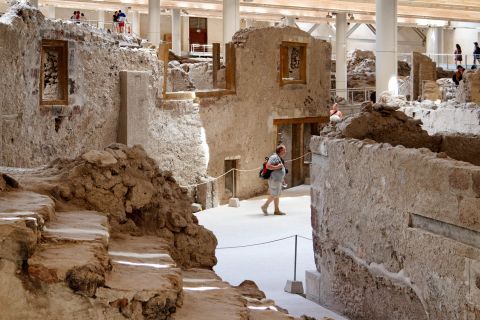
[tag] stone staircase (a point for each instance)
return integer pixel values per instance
(66, 265)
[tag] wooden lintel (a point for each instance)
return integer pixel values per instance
(214, 93)
(320, 119)
(180, 95)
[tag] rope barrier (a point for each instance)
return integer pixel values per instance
(304, 237)
(239, 170)
(262, 243)
(255, 244)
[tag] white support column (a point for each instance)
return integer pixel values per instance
(101, 19)
(135, 22)
(386, 46)
(231, 19)
(34, 3)
(154, 21)
(176, 32)
(435, 43)
(290, 21)
(50, 11)
(341, 54)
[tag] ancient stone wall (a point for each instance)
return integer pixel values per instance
(447, 118)
(473, 80)
(32, 134)
(396, 229)
(423, 69)
(241, 125)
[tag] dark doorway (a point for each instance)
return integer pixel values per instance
(297, 151)
(231, 178)
(198, 30)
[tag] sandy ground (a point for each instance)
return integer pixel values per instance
(269, 265)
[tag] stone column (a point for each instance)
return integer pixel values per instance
(154, 21)
(50, 11)
(386, 46)
(176, 32)
(341, 54)
(135, 94)
(135, 22)
(435, 44)
(101, 19)
(231, 19)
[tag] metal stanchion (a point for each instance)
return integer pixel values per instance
(294, 286)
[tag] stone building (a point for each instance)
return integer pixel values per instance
(122, 141)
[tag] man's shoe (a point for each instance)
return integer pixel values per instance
(264, 209)
(279, 213)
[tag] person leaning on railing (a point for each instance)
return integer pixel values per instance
(458, 76)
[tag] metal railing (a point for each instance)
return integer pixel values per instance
(353, 95)
(201, 50)
(447, 60)
(113, 27)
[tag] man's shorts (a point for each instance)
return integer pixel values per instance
(274, 187)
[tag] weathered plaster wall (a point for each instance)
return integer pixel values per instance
(241, 125)
(396, 230)
(33, 135)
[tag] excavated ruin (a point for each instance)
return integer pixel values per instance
(395, 218)
(108, 235)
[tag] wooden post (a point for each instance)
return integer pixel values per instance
(216, 62)
(302, 151)
(162, 54)
(231, 65)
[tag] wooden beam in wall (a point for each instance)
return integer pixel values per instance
(320, 119)
(162, 54)
(216, 62)
(230, 71)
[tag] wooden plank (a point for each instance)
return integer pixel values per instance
(283, 63)
(162, 55)
(302, 151)
(214, 93)
(319, 119)
(216, 62)
(230, 72)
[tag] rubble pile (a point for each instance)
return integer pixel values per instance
(385, 122)
(138, 197)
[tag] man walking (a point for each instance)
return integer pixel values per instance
(275, 182)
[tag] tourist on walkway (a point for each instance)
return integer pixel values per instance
(275, 182)
(476, 53)
(115, 21)
(458, 54)
(335, 114)
(458, 76)
(121, 20)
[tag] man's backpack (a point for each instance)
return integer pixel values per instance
(264, 172)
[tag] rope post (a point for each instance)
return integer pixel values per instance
(233, 201)
(295, 261)
(294, 286)
(233, 179)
